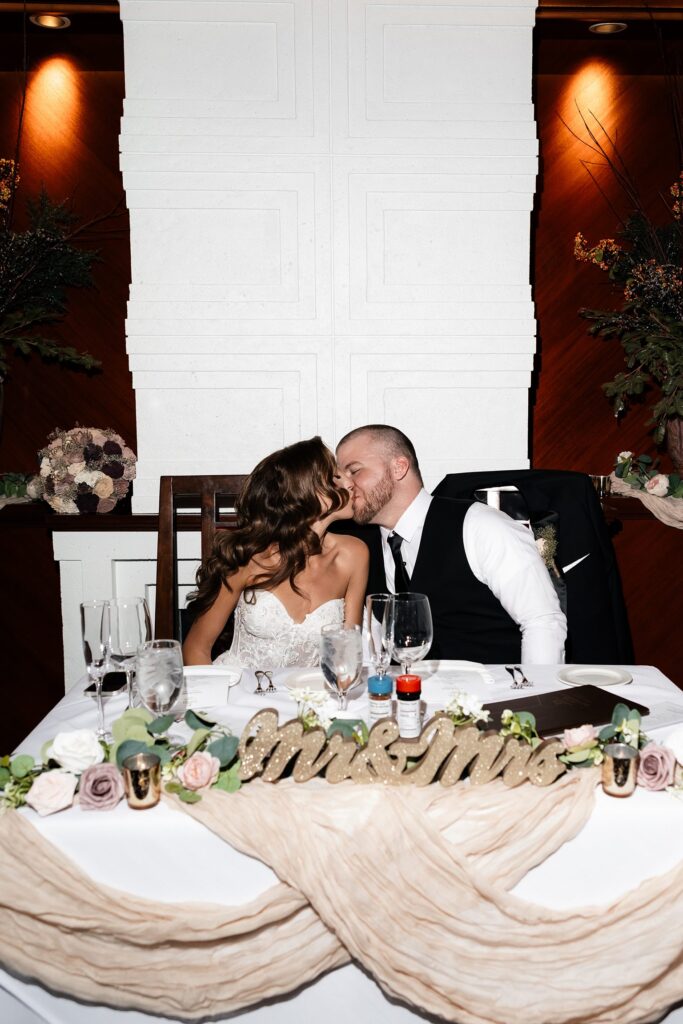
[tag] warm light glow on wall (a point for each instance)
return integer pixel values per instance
(593, 90)
(53, 107)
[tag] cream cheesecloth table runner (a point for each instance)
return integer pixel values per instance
(412, 883)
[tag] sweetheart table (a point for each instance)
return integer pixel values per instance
(552, 880)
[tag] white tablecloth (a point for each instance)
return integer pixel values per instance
(167, 856)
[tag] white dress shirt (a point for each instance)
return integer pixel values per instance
(502, 554)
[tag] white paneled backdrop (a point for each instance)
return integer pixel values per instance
(329, 208)
(329, 205)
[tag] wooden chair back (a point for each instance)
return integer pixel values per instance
(215, 497)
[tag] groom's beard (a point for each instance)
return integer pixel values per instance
(365, 510)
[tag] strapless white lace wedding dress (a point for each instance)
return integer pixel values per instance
(267, 637)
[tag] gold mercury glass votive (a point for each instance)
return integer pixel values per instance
(619, 769)
(142, 780)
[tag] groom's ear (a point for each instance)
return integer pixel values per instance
(399, 467)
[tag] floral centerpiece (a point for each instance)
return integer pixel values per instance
(85, 469)
(641, 473)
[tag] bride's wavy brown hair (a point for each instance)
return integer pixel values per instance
(282, 498)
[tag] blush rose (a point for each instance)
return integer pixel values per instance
(582, 736)
(656, 768)
(52, 791)
(658, 485)
(199, 771)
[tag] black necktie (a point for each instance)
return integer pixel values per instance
(401, 578)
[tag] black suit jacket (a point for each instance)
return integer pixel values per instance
(597, 623)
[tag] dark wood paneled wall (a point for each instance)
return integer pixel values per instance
(573, 427)
(69, 144)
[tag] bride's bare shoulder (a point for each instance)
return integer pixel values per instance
(347, 547)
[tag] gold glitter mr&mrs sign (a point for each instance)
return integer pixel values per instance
(442, 751)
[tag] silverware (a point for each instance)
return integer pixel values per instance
(260, 676)
(512, 669)
(525, 681)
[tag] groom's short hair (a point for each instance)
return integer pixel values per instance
(393, 440)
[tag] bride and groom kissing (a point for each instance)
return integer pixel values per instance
(316, 533)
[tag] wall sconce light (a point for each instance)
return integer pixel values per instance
(50, 20)
(608, 28)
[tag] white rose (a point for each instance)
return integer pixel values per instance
(88, 477)
(45, 467)
(35, 488)
(675, 743)
(52, 791)
(658, 485)
(76, 750)
(624, 456)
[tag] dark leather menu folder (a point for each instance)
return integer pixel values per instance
(564, 709)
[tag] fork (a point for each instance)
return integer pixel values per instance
(512, 669)
(271, 686)
(258, 673)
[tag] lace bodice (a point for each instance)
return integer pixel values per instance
(267, 637)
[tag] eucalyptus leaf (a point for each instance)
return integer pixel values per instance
(621, 713)
(346, 727)
(22, 765)
(161, 724)
(162, 752)
(229, 781)
(189, 796)
(128, 748)
(173, 787)
(196, 740)
(5, 776)
(197, 721)
(224, 749)
(607, 733)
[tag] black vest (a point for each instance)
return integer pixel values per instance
(469, 621)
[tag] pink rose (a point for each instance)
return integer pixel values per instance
(582, 736)
(199, 771)
(656, 768)
(658, 485)
(101, 787)
(52, 791)
(106, 504)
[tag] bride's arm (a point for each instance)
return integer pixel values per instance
(207, 627)
(354, 598)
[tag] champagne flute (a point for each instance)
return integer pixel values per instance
(95, 633)
(409, 628)
(130, 626)
(376, 606)
(159, 678)
(341, 659)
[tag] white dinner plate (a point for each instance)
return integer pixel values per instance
(228, 674)
(594, 675)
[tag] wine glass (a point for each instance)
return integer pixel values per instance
(409, 628)
(159, 678)
(95, 633)
(130, 625)
(376, 606)
(341, 659)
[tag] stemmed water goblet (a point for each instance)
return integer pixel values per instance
(341, 660)
(376, 608)
(95, 634)
(409, 629)
(130, 626)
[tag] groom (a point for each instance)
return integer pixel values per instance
(489, 590)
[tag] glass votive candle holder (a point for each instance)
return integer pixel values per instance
(602, 485)
(142, 780)
(619, 769)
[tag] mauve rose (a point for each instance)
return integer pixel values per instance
(199, 771)
(656, 768)
(113, 469)
(98, 436)
(658, 485)
(111, 448)
(120, 488)
(129, 472)
(52, 791)
(101, 788)
(582, 736)
(106, 505)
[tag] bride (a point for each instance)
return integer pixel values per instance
(280, 571)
